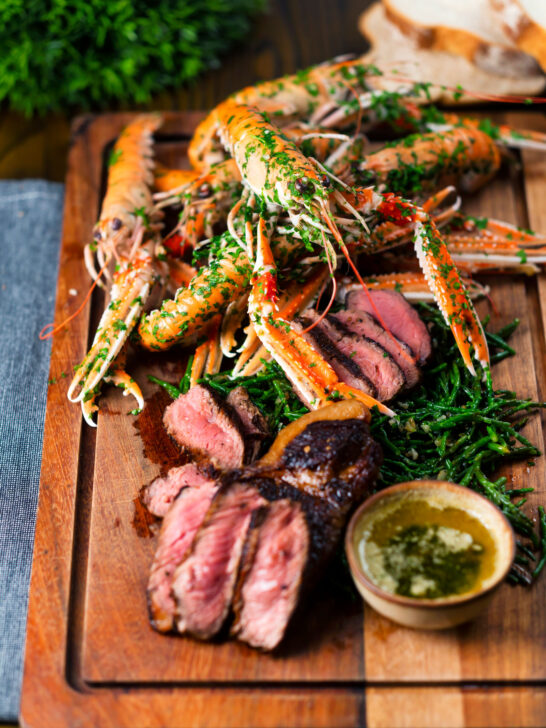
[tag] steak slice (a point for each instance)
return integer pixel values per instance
(322, 474)
(346, 368)
(293, 548)
(399, 317)
(204, 582)
(363, 324)
(203, 424)
(160, 493)
(366, 356)
(254, 423)
(271, 576)
(376, 363)
(178, 529)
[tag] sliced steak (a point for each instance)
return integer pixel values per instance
(326, 470)
(204, 582)
(158, 496)
(267, 534)
(398, 315)
(363, 324)
(376, 363)
(254, 423)
(365, 356)
(271, 576)
(294, 547)
(346, 368)
(203, 424)
(178, 529)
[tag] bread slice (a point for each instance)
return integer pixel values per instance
(524, 23)
(399, 56)
(463, 27)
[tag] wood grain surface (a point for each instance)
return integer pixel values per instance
(93, 660)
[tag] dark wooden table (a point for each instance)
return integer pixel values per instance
(293, 34)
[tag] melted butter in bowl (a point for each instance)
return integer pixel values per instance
(429, 554)
(427, 551)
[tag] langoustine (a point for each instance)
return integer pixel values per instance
(286, 202)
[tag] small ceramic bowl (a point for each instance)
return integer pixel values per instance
(443, 612)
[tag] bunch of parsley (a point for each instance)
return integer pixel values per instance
(66, 54)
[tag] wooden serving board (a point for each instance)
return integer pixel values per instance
(92, 658)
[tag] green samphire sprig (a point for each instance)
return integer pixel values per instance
(451, 427)
(459, 428)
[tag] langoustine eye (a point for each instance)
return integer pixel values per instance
(303, 185)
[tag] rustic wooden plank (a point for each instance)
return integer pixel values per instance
(455, 707)
(414, 707)
(504, 643)
(316, 652)
(534, 168)
(63, 707)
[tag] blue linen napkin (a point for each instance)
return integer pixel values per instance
(30, 232)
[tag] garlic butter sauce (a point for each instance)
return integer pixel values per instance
(425, 548)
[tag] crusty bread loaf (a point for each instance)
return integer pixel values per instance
(396, 54)
(524, 23)
(463, 27)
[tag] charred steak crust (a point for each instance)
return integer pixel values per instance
(254, 423)
(253, 420)
(336, 460)
(325, 445)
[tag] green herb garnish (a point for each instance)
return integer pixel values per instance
(95, 54)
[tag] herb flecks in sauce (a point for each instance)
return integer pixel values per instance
(426, 551)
